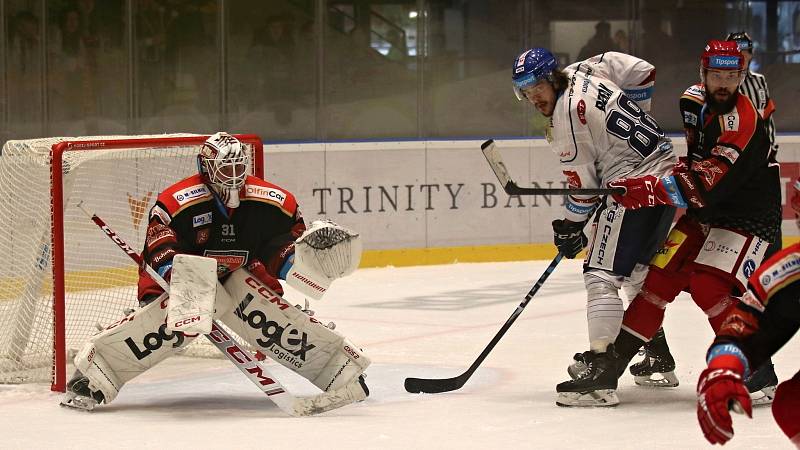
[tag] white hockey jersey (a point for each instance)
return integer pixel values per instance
(600, 134)
(635, 76)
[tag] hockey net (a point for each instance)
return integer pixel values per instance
(60, 277)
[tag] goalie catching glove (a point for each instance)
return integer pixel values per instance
(648, 191)
(324, 252)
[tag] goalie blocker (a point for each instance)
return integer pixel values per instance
(261, 317)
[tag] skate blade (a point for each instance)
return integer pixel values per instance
(763, 397)
(657, 380)
(80, 402)
(600, 398)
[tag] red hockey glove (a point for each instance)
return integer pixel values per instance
(648, 191)
(259, 270)
(719, 390)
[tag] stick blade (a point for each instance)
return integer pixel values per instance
(433, 386)
(495, 160)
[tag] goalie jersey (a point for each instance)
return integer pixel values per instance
(189, 218)
(600, 134)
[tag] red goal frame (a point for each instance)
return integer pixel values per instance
(59, 367)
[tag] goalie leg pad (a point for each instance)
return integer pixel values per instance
(129, 347)
(326, 251)
(289, 336)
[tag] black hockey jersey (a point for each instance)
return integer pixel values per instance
(189, 218)
(730, 181)
(772, 298)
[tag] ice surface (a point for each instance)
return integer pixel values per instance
(424, 322)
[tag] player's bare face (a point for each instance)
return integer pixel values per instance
(542, 96)
(722, 84)
(721, 87)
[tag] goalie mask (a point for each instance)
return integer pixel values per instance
(224, 163)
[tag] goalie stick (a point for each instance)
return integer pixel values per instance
(436, 385)
(500, 170)
(249, 365)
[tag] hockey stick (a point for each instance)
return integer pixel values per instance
(436, 385)
(500, 170)
(250, 367)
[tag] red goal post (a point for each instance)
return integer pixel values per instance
(61, 266)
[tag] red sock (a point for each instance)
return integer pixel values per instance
(643, 318)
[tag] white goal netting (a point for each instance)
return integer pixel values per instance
(119, 185)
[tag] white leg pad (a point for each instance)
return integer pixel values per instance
(129, 347)
(101, 376)
(289, 336)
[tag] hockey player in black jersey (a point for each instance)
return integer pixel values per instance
(732, 196)
(765, 319)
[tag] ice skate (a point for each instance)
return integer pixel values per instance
(762, 385)
(595, 386)
(79, 395)
(657, 369)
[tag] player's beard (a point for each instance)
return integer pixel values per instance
(722, 106)
(545, 108)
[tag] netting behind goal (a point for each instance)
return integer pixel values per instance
(60, 276)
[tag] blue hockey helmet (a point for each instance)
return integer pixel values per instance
(531, 67)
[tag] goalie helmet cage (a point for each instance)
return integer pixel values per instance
(59, 276)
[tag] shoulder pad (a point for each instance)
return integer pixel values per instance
(778, 272)
(696, 93)
(256, 189)
(184, 193)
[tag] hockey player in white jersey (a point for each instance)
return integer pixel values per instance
(600, 134)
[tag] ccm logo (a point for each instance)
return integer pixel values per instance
(351, 352)
(265, 293)
(186, 321)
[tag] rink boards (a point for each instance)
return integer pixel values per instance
(427, 202)
(414, 202)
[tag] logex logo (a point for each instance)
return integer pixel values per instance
(202, 219)
(286, 341)
(153, 341)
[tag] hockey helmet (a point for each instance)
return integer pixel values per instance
(742, 39)
(530, 67)
(722, 55)
(223, 161)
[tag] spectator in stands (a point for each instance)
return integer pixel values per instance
(599, 43)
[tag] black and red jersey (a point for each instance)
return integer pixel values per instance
(189, 218)
(772, 297)
(731, 181)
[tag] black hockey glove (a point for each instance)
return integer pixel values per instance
(568, 237)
